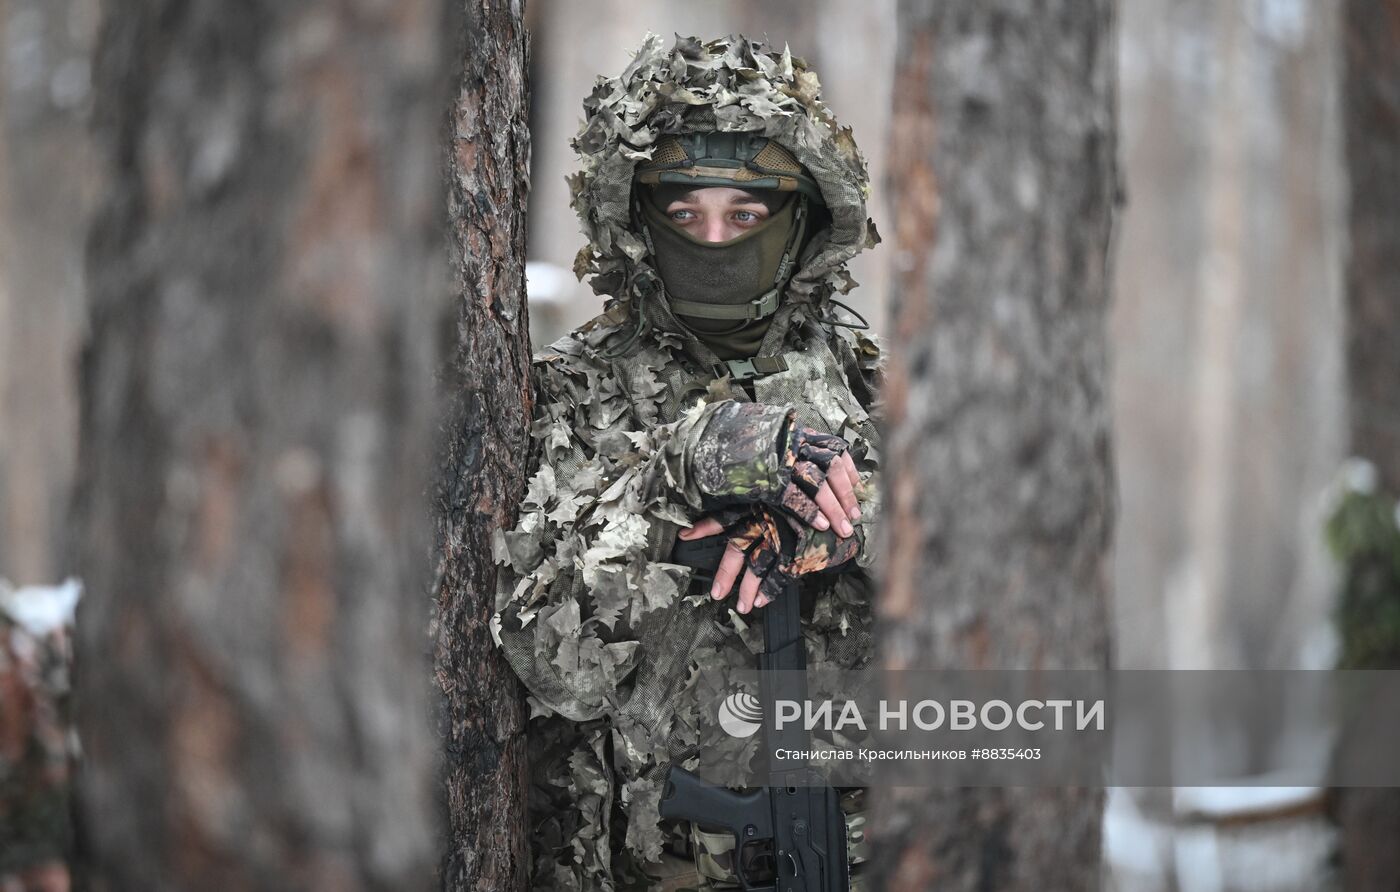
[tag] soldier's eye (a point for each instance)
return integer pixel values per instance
(746, 216)
(682, 215)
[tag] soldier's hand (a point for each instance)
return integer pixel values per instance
(770, 553)
(752, 453)
(729, 566)
(836, 497)
(824, 481)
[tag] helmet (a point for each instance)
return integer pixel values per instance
(741, 160)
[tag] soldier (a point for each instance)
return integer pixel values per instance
(722, 392)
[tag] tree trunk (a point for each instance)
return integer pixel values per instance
(487, 451)
(1199, 636)
(46, 198)
(1370, 819)
(257, 415)
(1371, 43)
(999, 486)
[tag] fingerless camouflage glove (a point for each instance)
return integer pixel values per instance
(752, 453)
(779, 551)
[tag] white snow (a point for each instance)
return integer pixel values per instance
(41, 609)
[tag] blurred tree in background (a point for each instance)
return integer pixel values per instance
(257, 413)
(1365, 538)
(483, 477)
(48, 187)
(999, 481)
(1371, 91)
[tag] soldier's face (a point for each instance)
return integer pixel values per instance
(717, 213)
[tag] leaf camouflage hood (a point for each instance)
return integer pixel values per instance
(731, 85)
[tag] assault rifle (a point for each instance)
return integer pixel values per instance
(800, 821)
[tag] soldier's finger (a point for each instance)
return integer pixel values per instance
(831, 507)
(854, 473)
(705, 526)
(748, 589)
(762, 601)
(845, 493)
(727, 571)
(801, 504)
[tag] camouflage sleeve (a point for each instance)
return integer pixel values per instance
(584, 574)
(864, 364)
(737, 458)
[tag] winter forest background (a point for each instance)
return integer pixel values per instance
(1234, 378)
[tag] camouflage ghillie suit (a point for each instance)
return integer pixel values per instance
(614, 644)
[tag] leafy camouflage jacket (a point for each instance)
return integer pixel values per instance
(616, 649)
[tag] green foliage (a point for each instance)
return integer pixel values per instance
(1363, 534)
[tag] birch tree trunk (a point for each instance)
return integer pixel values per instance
(999, 486)
(1370, 818)
(257, 415)
(483, 717)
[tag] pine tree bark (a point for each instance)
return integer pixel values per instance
(999, 487)
(1370, 818)
(257, 414)
(483, 716)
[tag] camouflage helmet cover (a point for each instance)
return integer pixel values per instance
(741, 160)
